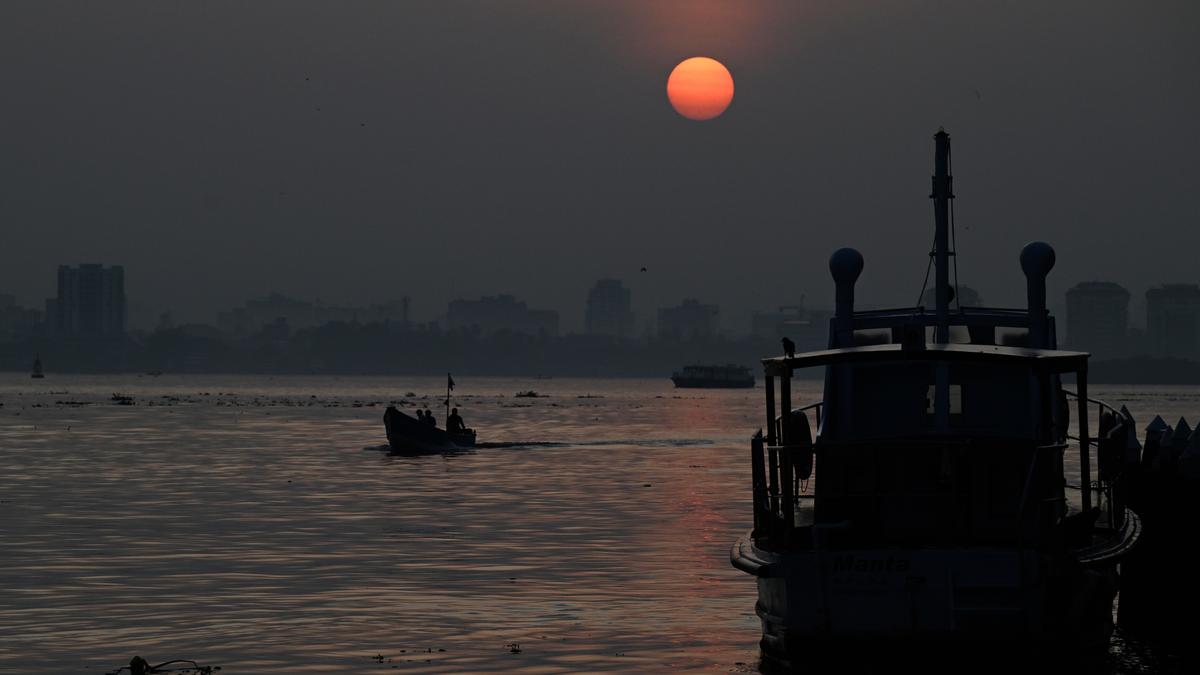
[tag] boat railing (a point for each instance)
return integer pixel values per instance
(778, 490)
(1027, 509)
(1109, 447)
(779, 420)
(784, 495)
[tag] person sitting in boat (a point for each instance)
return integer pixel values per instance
(454, 422)
(429, 418)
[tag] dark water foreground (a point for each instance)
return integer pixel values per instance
(250, 523)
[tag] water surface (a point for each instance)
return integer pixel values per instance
(254, 523)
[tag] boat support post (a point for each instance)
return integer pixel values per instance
(759, 486)
(785, 406)
(1085, 453)
(771, 436)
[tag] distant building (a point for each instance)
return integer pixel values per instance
(808, 328)
(1098, 319)
(1173, 320)
(501, 313)
(688, 321)
(609, 309)
(16, 322)
(255, 315)
(90, 302)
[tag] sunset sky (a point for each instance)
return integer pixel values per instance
(360, 151)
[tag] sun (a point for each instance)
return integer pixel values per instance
(700, 88)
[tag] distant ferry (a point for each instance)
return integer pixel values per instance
(714, 377)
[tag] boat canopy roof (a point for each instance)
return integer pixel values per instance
(1045, 360)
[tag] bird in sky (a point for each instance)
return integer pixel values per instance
(789, 347)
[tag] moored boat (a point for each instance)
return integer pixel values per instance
(408, 434)
(728, 376)
(946, 497)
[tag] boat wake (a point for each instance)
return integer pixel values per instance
(669, 443)
(501, 445)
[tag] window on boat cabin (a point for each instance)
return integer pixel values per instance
(1012, 337)
(872, 336)
(897, 400)
(955, 400)
(959, 335)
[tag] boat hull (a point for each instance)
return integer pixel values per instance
(407, 435)
(815, 601)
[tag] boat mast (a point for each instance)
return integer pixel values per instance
(942, 187)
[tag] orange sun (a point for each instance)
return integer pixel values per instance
(700, 88)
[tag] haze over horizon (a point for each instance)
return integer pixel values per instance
(358, 152)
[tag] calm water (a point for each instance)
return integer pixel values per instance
(254, 523)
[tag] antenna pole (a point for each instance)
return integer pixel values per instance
(942, 194)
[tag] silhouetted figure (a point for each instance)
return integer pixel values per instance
(429, 418)
(454, 423)
(789, 347)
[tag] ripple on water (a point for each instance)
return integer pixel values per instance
(239, 522)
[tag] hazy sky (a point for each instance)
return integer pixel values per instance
(360, 151)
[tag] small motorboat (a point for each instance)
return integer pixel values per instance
(406, 433)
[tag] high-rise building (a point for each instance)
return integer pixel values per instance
(807, 328)
(1173, 320)
(90, 302)
(609, 309)
(1098, 319)
(689, 320)
(257, 314)
(16, 322)
(502, 313)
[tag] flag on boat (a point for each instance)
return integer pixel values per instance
(449, 381)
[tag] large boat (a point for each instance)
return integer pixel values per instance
(945, 498)
(409, 435)
(727, 376)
